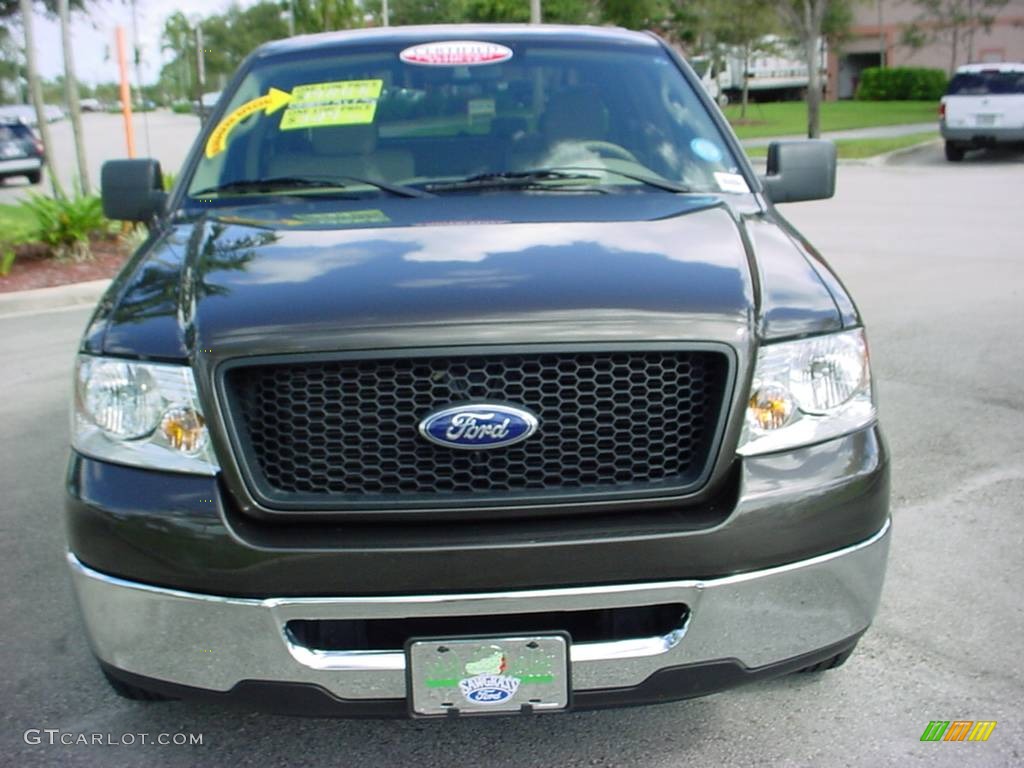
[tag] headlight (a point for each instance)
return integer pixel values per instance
(143, 414)
(808, 391)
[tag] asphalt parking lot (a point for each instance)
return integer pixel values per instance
(932, 252)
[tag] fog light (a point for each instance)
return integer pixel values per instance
(770, 407)
(184, 429)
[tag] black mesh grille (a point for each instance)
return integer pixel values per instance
(346, 431)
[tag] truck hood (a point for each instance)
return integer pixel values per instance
(270, 281)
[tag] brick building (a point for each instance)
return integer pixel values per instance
(877, 36)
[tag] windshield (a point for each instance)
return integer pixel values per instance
(617, 118)
(986, 83)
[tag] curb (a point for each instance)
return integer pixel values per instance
(885, 158)
(54, 298)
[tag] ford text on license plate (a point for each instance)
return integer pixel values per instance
(488, 675)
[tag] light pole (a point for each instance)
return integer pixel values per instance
(535, 14)
(385, 13)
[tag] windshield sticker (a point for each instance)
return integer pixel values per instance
(731, 182)
(343, 218)
(455, 53)
(706, 150)
(346, 102)
(269, 103)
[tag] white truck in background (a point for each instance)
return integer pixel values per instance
(777, 71)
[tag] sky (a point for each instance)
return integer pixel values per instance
(93, 36)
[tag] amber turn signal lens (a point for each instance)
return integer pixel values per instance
(771, 407)
(184, 429)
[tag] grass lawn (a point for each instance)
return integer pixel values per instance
(790, 117)
(859, 148)
(15, 222)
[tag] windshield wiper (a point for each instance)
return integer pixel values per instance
(540, 178)
(652, 181)
(293, 183)
(513, 179)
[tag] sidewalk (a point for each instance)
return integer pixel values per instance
(875, 132)
(49, 299)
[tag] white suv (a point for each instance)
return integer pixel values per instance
(983, 107)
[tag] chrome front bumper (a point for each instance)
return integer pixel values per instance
(204, 641)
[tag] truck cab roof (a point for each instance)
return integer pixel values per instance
(554, 33)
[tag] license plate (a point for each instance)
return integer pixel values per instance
(985, 120)
(488, 675)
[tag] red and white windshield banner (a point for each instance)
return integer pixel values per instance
(456, 53)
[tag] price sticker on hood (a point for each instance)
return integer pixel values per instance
(456, 53)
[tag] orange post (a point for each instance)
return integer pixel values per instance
(126, 93)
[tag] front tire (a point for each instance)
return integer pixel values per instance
(954, 152)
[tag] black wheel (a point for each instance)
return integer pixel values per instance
(833, 663)
(35, 177)
(954, 152)
(133, 692)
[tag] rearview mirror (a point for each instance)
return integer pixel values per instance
(800, 170)
(133, 190)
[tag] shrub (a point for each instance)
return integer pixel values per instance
(901, 84)
(182, 107)
(16, 227)
(64, 224)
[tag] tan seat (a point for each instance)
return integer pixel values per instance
(343, 150)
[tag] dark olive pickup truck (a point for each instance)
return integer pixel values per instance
(468, 371)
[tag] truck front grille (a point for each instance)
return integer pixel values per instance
(344, 432)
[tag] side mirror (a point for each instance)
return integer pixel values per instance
(800, 170)
(133, 190)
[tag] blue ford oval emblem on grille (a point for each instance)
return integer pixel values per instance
(478, 426)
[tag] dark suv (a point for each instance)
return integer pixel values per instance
(21, 153)
(472, 370)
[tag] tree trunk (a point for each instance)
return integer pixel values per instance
(35, 91)
(956, 45)
(971, 24)
(71, 93)
(746, 82)
(813, 88)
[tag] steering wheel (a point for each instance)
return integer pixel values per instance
(607, 149)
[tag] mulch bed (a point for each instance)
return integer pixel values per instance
(34, 268)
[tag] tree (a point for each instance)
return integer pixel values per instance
(71, 92)
(632, 14)
(420, 11)
(555, 11)
(953, 22)
(35, 92)
(743, 24)
(325, 15)
(806, 20)
(11, 68)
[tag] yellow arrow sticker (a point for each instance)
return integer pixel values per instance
(269, 103)
(346, 102)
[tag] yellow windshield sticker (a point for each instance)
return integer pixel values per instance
(343, 218)
(269, 103)
(346, 102)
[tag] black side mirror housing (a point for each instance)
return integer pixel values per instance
(800, 170)
(133, 190)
